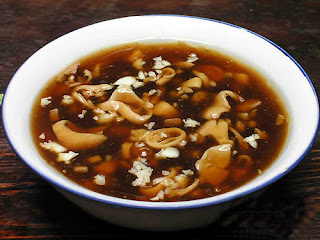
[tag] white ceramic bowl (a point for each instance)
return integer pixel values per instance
(281, 70)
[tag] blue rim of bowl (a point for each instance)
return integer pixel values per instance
(183, 204)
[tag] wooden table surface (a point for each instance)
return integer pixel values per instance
(31, 209)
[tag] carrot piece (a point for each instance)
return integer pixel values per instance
(239, 173)
(106, 167)
(213, 72)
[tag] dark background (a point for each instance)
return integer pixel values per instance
(30, 208)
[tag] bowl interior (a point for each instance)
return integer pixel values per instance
(282, 72)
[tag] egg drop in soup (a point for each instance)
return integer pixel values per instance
(159, 122)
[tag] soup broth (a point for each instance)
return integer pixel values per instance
(159, 122)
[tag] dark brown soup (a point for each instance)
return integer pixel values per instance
(159, 122)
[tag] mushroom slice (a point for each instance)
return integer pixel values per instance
(104, 118)
(242, 144)
(262, 134)
(152, 191)
(165, 137)
(183, 191)
(135, 55)
(195, 82)
(166, 75)
(125, 111)
(217, 129)
(280, 120)
(203, 77)
(73, 140)
(220, 105)
(123, 100)
(248, 105)
(68, 71)
(165, 182)
(184, 65)
(81, 92)
(212, 164)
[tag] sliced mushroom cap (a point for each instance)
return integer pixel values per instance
(217, 129)
(183, 191)
(123, 100)
(242, 144)
(125, 111)
(153, 191)
(248, 105)
(165, 137)
(219, 156)
(90, 90)
(203, 77)
(73, 140)
(68, 71)
(220, 105)
(212, 164)
(166, 75)
(195, 82)
(127, 95)
(214, 175)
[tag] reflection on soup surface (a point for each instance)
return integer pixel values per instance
(159, 122)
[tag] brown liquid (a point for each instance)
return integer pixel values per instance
(114, 65)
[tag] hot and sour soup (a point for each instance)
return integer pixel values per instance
(159, 122)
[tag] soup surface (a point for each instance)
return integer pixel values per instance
(159, 122)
